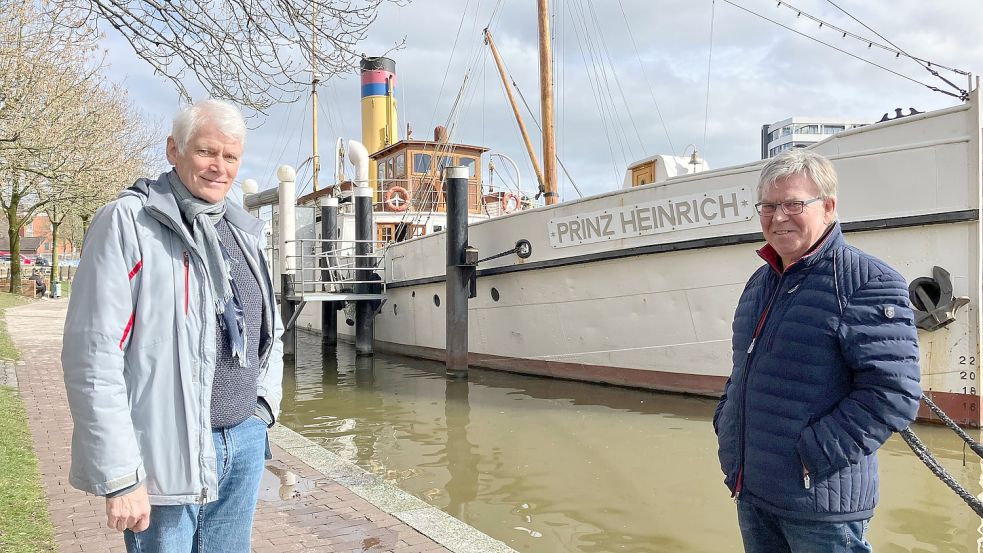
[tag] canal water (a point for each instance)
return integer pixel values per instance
(554, 466)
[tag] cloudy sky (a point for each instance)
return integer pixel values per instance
(608, 107)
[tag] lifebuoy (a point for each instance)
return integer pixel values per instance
(510, 202)
(397, 198)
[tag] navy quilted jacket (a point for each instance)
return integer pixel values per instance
(825, 369)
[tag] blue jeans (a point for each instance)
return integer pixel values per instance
(764, 532)
(224, 525)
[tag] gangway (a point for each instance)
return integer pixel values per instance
(329, 271)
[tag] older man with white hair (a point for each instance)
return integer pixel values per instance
(825, 368)
(172, 354)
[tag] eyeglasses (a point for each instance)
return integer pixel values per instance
(794, 207)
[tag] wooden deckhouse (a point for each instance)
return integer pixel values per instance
(410, 183)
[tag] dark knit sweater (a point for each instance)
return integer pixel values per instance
(234, 386)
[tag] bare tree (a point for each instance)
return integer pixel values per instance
(67, 135)
(252, 52)
(111, 149)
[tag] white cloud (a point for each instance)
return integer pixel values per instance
(761, 73)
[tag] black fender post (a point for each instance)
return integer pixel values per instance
(364, 314)
(458, 272)
(329, 233)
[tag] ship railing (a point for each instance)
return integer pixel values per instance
(327, 270)
(422, 195)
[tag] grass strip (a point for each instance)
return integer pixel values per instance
(26, 527)
(24, 523)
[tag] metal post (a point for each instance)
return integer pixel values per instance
(364, 310)
(288, 232)
(329, 311)
(287, 308)
(457, 273)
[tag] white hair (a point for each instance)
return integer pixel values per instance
(222, 114)
(798, 161)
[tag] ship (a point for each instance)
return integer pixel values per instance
(638, 286)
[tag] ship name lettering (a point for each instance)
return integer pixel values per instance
(575, 230)
(682, 212)
(703, 209)
(644, 216)
(731, 204)
(607, 218)
(666, 214)
(631, 221)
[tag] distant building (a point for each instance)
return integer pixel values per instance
(35, 238)
(799, 132)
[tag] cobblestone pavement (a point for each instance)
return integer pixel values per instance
(319, 514)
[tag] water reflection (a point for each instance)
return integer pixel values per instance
(548, 465)
(459, 454)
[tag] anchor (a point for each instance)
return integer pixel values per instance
(935, 306)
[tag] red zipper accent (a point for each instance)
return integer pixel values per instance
(754, 338)
(185, 283)
(136, 269)
(126, 331)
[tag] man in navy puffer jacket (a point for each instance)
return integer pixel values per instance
(825, 369)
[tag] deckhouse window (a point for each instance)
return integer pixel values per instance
(442, 162)
(400, 166)
(421, 163)
(468, 162)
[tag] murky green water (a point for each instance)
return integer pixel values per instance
(553, 466)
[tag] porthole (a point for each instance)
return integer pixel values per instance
(436, 300)
(494, 294)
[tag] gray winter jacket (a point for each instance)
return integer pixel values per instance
(139, 350)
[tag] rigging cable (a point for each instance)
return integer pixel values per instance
(646, 75)
(928, 86)
(894, 48)
(706, 111)
(596, 90)
(532, 115)
(450, 59)
(540, 127)
(614, 71)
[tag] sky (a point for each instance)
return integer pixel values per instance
(655, 79)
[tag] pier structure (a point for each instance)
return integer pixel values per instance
(324, 269)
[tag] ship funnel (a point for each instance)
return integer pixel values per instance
(379, 122)
(359, 157)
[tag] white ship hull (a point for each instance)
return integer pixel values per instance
(628, 300)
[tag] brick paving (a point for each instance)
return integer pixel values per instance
(319, 514)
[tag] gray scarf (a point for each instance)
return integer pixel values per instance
(202, 216)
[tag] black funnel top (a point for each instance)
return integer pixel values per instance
(378, 63)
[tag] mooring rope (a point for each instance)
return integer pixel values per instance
(975, 446)
(921, 451)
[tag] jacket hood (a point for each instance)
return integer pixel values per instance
(157, 194)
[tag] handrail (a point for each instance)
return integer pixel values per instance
(335, 269)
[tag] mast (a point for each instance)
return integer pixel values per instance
(315, 158)
(546, 101)
(515, 110)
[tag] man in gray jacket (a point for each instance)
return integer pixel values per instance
(172, 352)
